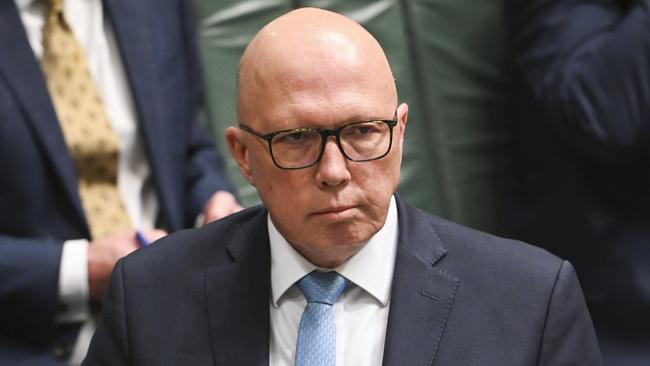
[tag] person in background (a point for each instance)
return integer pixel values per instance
(335, 268)
(99, 138)
(583, 144)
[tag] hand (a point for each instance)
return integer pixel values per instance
(104, 252)
(221, 204)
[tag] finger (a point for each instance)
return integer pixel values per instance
(216, 210)
(212, 215)
(154, 234)
(236, 208)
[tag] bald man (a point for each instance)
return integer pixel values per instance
(335, 268)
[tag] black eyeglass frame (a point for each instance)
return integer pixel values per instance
(324, 133)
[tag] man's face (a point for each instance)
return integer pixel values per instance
(327, 211)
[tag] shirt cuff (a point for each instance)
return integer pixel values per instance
(73, 282)
(199, 220)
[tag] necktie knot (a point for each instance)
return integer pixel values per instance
(323, 287)
(54, 6)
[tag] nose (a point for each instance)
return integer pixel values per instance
(332, 169)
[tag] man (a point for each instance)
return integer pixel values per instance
(138, 63)
(335, 268)
(583, 141)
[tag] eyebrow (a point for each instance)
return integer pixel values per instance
(303, 124)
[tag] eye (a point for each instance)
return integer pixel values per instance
(294, 136)
(362, 129)
(299, 136)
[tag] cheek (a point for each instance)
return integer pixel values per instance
(379, 181)
(378, 186)
(289, 201)
(392, 170)
(283, 192)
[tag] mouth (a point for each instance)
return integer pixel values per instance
(337, 213)
(334, 209)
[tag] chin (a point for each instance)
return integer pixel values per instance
(336, 257)
(350, 235)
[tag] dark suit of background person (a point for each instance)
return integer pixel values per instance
(39, 203)
(584, 155)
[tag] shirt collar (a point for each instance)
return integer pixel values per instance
(371, 268)
(34, 5)
(23, 5)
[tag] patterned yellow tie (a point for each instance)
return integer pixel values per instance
(85, 124)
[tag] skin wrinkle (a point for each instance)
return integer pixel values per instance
(315, 68)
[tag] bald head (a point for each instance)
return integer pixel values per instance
(309, 50)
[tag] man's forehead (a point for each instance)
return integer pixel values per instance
(322, 106)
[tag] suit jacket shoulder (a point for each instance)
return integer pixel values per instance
(464, 297)
(219, 243)
(195, 297)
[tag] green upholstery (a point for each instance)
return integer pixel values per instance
(449, 61)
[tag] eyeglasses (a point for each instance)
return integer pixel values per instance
(303, 147)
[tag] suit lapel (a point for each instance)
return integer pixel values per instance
(24, 76)
(134, 35)
(422, 295)
(237, 298)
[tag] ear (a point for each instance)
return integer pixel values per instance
(402, 114)
(239, 151)
(402, 118)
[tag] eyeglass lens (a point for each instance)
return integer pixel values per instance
(359, 141)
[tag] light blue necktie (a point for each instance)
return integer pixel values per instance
(316, 344)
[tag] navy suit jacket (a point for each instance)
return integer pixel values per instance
(39, 202)
(459, 297)
(583, 142)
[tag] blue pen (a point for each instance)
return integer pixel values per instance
(142, 240)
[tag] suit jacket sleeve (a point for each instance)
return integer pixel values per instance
(586, 64)
(569, 337)
(109, 345)
(206, 171)
(29, 272)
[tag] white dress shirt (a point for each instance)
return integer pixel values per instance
(96, 37)
(361, 313)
